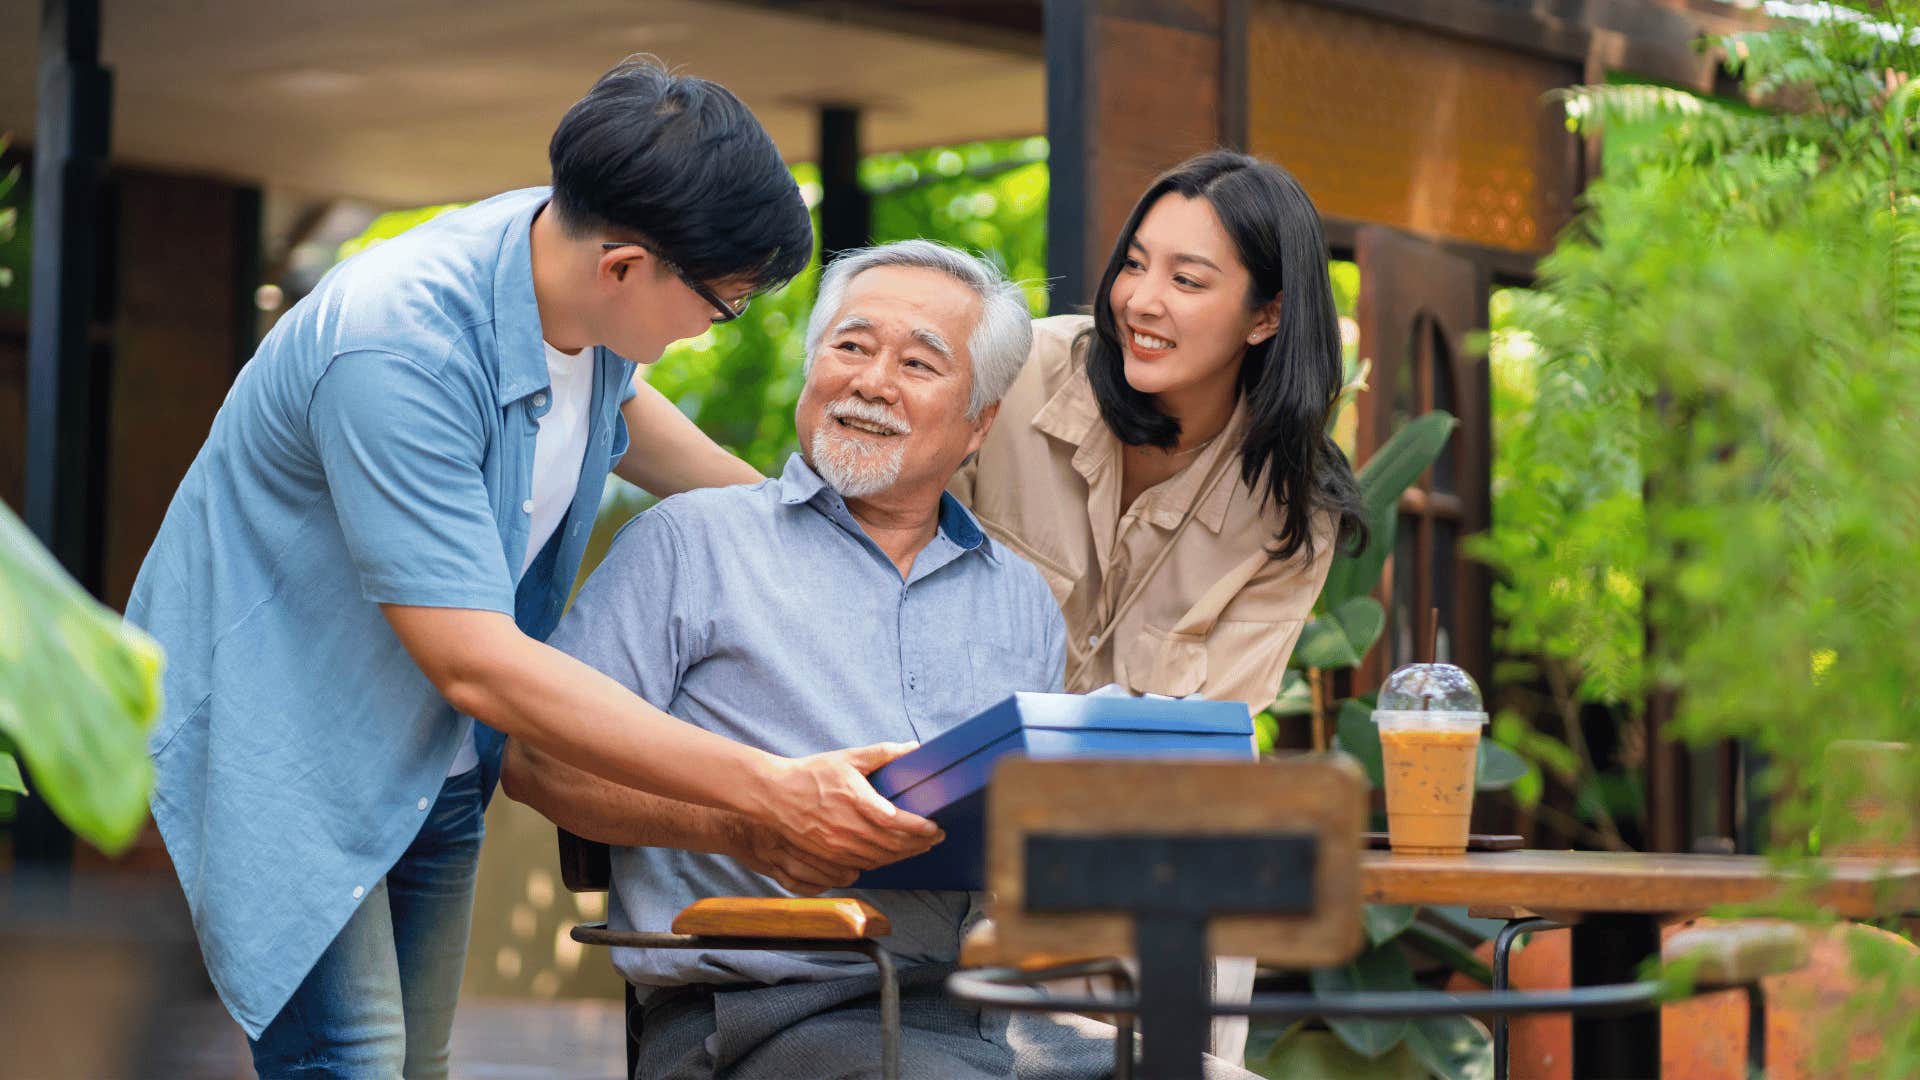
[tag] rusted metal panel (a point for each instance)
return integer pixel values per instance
(1397, 124)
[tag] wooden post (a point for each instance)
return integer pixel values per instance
(66, 394)
(846, 212)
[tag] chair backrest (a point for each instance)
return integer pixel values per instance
(585, 865)
(1265, 855)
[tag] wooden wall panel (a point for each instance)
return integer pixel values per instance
(1157, 102)
(182, 256)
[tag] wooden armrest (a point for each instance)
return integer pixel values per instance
(834, 918)
(981, 948)
(1739, 953)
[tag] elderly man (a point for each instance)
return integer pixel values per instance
(848, 602)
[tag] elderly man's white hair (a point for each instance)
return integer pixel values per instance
(1002, 337)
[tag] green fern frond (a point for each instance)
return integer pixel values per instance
(1904, 270)
(1594, 108)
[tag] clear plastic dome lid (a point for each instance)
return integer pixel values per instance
(1435, 688)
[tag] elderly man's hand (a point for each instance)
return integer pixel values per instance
(765, 852)
(823, 806)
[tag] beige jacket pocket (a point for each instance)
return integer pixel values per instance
(1163, 662)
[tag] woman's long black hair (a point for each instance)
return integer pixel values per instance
(1289, 382)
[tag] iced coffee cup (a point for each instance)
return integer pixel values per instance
(1429, 716)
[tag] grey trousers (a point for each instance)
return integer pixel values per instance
(830, 1030)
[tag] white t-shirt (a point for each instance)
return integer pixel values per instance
(559, 448)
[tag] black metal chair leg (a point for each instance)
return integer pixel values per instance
(1756, 1032)
(889, 1012)
(1502, 946)
(632, 1029)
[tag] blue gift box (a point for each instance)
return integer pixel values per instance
(945, 778)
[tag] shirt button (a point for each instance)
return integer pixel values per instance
(539, 401)
(421, 805)
(359, 891)
(527, 507)
(1093, 640)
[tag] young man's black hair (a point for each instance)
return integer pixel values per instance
(680, 162)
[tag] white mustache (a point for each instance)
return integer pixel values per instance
(869, 412)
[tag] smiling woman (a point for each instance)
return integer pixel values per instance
(1199, 391)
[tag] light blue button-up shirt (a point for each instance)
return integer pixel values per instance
(768, 615)
(377, 449)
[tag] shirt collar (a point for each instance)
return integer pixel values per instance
(800, 484)
(1072, 415)
(521, 351)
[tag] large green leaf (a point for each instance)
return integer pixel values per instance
(1391, 470)
(1323, 644)
(1385, 921)
(1444, 947)
(10, 779)
(1357, 735)
(1382, 967)
(1452, 1047)
(79, 687)
(1341, 637)
(1296, 697)
(1497, 768)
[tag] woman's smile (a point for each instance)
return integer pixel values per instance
(1146, 346)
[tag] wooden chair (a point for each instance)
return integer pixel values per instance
(771, 923)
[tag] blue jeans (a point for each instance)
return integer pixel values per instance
(379, 1003)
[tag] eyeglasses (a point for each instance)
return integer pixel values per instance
(725, 311)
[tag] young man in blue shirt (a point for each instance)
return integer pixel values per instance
(382, 528)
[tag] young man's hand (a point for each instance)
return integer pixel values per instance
(823, 806)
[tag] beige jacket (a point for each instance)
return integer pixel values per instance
(1218, 616)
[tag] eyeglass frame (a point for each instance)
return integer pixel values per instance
(727, 311)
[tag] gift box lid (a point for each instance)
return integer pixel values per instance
(1058, 712)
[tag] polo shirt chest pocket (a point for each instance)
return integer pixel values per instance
(994, 672)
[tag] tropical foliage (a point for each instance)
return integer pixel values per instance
(1712, 487)
(1716, 438)
(79, 687)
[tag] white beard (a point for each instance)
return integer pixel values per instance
(852, 467)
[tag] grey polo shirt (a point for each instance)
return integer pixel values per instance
(767, 615)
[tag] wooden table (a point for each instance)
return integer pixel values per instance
(1619, 898)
